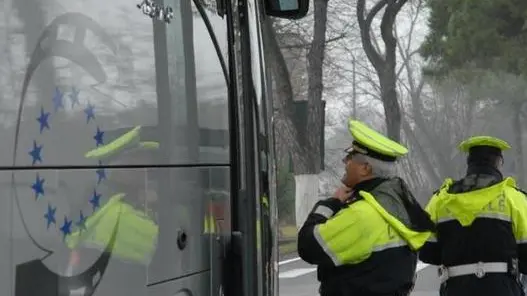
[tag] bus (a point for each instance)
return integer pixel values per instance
(137, 147)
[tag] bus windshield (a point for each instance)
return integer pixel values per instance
(115, 146)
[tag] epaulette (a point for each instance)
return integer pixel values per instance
(446, 184)
(438, 190)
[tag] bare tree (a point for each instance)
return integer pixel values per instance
(384, 64)
(303, 141)
(432, 147)
(435, 118)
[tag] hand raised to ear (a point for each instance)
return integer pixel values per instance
(343, 193)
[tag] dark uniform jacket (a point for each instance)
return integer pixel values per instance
(368, 246)
(495, 235)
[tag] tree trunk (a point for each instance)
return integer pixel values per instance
(390, 102)
(384, 64)
(307, 177)
(305, 153)
(517, 129)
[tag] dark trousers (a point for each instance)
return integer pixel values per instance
(346, 290)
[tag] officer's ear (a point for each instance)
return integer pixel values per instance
(499, 162)
(366, 170)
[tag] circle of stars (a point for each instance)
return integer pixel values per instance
(35, 153)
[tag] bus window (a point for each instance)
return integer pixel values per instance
(116, 122)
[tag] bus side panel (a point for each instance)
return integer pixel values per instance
(195, 285)
(55, 246)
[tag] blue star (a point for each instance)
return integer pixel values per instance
(74, 97)
(43, 119)
(38, 186)
(35, 153)
(95, 200)
(50, 215)
(66, 227)
(82, 222)
(101, 174)
(90, 113)
(57, 99)
(99, 137)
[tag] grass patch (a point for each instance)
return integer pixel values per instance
(287, 248)
(288, 231)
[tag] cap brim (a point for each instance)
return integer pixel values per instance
(374, 140)
(116, 145)
(483, 141)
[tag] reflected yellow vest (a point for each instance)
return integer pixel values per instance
(136, 233)
(265, 207)
(209, 225)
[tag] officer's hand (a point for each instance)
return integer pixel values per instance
(343, 193)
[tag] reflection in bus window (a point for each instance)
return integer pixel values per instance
(87, 81)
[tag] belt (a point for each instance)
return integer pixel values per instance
(478, 269)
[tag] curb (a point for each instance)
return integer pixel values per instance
(286, 240)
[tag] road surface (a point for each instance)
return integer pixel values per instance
(298, 278)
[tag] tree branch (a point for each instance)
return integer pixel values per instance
(308, 44)
(365, 28)
(388, 19)
(387, 31)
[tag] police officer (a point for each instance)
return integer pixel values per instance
(364, 239)
(480, 243)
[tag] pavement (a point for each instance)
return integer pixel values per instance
(298, 278)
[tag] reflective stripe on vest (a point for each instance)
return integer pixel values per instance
(364, 228)
(500, 201)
